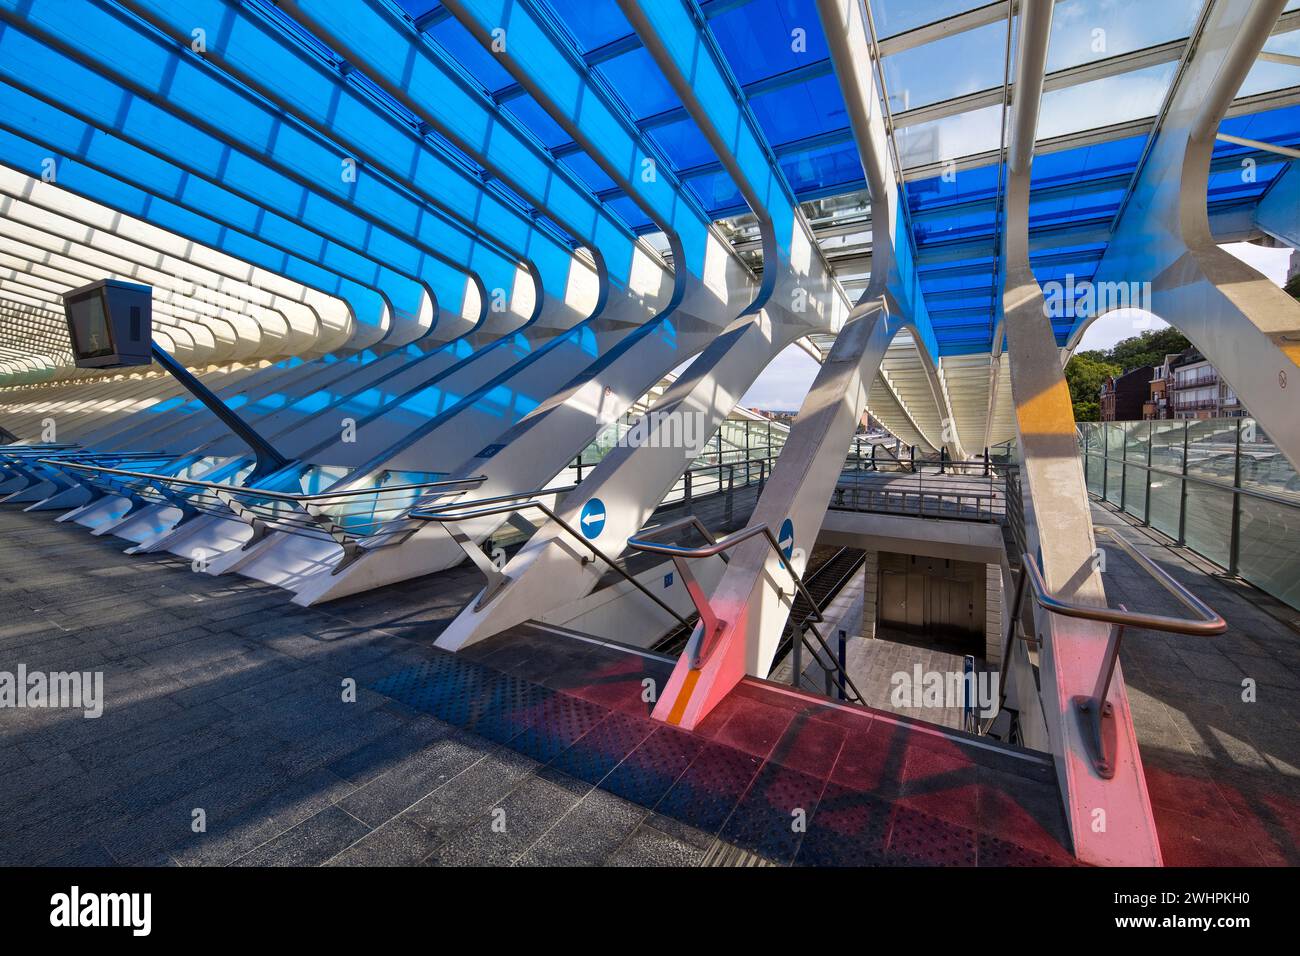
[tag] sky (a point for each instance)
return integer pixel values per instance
(785, 382)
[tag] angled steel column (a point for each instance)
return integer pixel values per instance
(753, 598)
(1242, 322)
(631, 482)
(1110, 819)
(631, 289)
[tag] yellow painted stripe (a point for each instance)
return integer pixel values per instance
(683, 697)
(1292, 352)
(1048, 413)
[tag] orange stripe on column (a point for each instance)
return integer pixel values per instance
(1048, 413)
(683, 697)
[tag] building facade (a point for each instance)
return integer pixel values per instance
(1122, 398)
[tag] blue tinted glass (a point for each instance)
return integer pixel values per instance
(630, 212)
(638, 80)
(716, 192)
(418, 8)
(1116, 158)
(798, 112)
(684, 144)
(763, 38)
(478, 62)
(820, 169)
(588, 171)
(538, 121)
(592, 24)
(1274, 126)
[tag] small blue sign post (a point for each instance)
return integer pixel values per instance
(592, 518)
(785, 540)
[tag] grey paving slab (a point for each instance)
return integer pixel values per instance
(310, 843)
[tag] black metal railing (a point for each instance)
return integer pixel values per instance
(709, 629)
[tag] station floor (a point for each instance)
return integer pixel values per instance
(1222, 771)
(223, 697)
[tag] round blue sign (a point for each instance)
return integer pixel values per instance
(592, 519)
(785, 540)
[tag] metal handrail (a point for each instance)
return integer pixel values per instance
(1207, 622)
(314, 520)
(511, 504)
(297, 498)
(1095, 713)
(1247, 490)
(711, 625)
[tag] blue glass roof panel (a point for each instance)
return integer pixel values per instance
(817, 170)
(716, 192)
(638, 80)
(592, 25)
(589, 171)
(763, 38)
(462, 47)
(684, 144)
(799, 112)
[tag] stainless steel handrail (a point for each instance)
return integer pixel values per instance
(1095, 713)
(1207, 622)
(241, 490)
(702, 646)
(510, 504)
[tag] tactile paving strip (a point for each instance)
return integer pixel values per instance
(775, 812)
(451, 690)
(850, 828)
(598, 752)
(510, 708)
(559, 721)
(712, 785)
(649, 770)
(995, 852)
(918, 839)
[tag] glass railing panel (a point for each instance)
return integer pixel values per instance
(1135, 490)
(1268, 555)
(1114, 438)
(1212, 448)
(1208, 522)
(1263, 466)
(1166, 503)
(1167, 446)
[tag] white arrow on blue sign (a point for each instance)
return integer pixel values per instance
(785, 540)
(592, 519)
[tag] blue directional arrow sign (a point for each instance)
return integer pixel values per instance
(592, 519)
(785, 540)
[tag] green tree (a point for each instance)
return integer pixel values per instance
(1087, 411)
(1084, 374)
(1148, 348)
